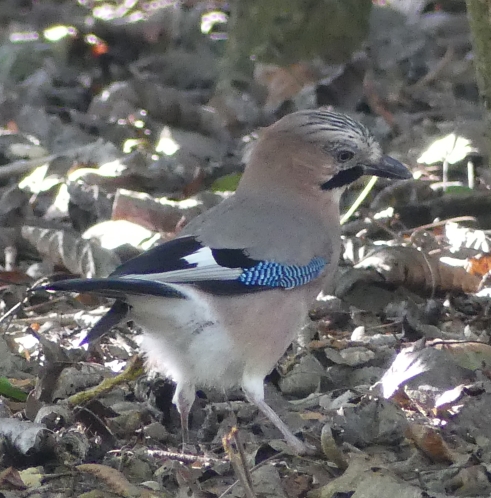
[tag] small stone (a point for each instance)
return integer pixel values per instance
(358, 334)
(304, 378)
(357, 356)
(156, 431)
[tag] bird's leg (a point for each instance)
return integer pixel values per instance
(254, 391)
(183, 399)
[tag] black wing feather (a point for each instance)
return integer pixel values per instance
(228, 287)
(170, 257)
(233, 258)
(166, 257)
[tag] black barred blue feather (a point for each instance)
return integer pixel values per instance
(270, 274)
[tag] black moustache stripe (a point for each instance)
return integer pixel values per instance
(343, 178)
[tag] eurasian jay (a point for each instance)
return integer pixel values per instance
(221, 303)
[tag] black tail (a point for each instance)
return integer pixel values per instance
(117, 313)
(116, 288)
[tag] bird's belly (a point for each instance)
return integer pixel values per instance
(219, 341)
(264, 324)
(187, 342)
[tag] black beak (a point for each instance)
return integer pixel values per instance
(388, 167)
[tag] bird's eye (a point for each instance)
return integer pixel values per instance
(345, 155)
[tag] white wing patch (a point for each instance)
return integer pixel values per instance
(206, 269)
(201, 257)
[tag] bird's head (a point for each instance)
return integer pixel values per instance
(323, 148)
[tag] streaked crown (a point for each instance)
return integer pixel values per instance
(332, 129)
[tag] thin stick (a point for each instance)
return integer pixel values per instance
(260, 464)
(238, 461)
(435, 73)
(439, 224)
(11, 311)
(133, 370)
(359, 200)
(471, 175)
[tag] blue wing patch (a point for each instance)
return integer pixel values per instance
(270, 274)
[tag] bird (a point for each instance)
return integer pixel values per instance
(221, 303)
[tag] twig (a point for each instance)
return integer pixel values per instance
(437, 342)
(260, 464)
(11, 312)
(133, 370)
(471, 174)
(238, 461)
(432, 274)
(24, 165)
(384, 326)
(439, 224)
(377, 223)
(445, 174)
(10, 257)
(359, 199)
(52, 301)
(184, 457)
(435, 73)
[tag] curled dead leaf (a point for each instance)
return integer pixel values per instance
(81, 257)
(430, 442)
(480, 265)
(114, 479)
(420, 272)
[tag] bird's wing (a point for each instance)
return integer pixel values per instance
(220, 271)
(185, 260)
(163, 270)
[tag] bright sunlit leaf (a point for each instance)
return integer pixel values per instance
(166, 144)
(452, 148)
(57, 33)
(209, 20)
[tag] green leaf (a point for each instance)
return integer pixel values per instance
(227, 183)
(458, 189)
(8, 390)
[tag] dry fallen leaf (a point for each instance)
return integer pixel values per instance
(430, 442)
(82, 257)
(480, 265)
(115, 481)
(471, 355)
(283, 83)
(11, 479)
(418, 271)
